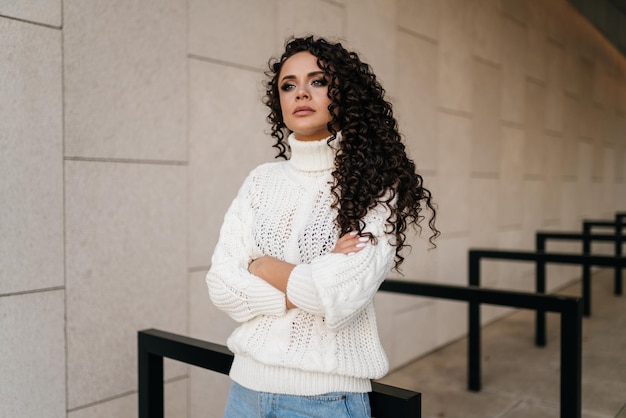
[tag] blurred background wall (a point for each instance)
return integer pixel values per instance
(126, 128)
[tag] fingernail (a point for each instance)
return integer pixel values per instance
(351, 253)
(353, 233)
(364, 239)
(361, 245)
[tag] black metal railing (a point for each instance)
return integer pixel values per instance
(571, 330)
(541, 240)
(540, 259)
(153, 345)
(618, 228)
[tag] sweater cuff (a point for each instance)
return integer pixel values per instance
(301, 290)
(267, 300)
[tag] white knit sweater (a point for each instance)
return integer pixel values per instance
(330, 342)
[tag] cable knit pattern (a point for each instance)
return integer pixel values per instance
(330, 342)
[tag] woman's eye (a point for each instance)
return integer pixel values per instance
(320, 82)
(287, 87)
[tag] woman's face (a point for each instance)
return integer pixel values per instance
(303, 93)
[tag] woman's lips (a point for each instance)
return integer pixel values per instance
(303, 111)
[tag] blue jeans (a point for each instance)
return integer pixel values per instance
(246, 403)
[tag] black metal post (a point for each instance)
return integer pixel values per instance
(571, 360)
(586, 279)
(474, 331)
(540, 287)
(150, 375)
(391, 401)
(620, 223)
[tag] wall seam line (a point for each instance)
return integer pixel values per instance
(33, 291)
(127, 161)
(31, 22)
(225, 63)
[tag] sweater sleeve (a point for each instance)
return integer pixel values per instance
(232, 288)
(339, 286)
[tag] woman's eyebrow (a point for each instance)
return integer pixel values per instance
(309, 75)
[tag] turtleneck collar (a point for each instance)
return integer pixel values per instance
(313, 155)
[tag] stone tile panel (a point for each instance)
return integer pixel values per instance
(32, 331)
(513, 74)
(223, 31)
(31, 164)
(126, 270)
(419, 16)
(534, 153)
(510, 187)
(226, 116)
(125, 79)
(487, 35)
(303, 18)
(455, 56)
(175, 404)
(371, 32)
(47, 12)
(416, 101)
(454, 142)
(486, 141)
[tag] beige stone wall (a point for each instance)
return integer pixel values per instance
(127, 127)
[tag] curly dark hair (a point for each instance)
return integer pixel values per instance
(371, 166)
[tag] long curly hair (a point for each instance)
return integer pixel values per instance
(371, 165)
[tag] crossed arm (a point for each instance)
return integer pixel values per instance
(276, 272)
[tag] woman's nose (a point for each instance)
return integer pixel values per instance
(302, 92)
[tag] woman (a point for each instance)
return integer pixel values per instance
(307, 242)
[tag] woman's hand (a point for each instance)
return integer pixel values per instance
(350, 243)
(274, 272)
